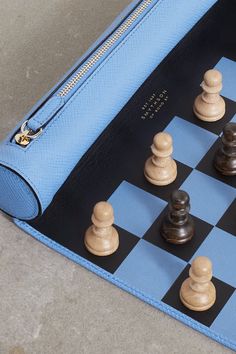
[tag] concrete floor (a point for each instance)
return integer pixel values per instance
(47, 303)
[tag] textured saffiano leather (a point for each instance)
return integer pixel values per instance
(48, 160)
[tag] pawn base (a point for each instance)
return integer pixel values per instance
(226, 165)
(160, 176)
(177, 234)
(197, 301)
(209, 112)
(101, 246)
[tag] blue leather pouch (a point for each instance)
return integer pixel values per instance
(62, 126)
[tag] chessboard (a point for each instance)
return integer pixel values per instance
(144, 264)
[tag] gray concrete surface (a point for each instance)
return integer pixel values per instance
(49, 305)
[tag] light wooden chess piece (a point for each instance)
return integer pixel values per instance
(160, 169)
(197, 292)
(101, 238)
(209, 106)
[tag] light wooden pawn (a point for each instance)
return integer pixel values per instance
(197, 292)
(101, 238)
(209, 106)
(160, 169)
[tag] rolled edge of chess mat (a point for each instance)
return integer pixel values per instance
(31, 176)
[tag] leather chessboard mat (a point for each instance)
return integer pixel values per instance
(112, 169)
(120, 152)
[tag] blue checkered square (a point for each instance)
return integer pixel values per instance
(228, 69)
(150, 269)
(234, 119)
(225, 321)
(209, 197)
(135, 210)
(220, 247)
(190, 141)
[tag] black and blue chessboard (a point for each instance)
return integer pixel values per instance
(145, 265)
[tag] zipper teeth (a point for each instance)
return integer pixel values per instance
(105, 47)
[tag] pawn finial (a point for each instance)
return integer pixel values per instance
(162, 145)
(180, 199)
(212, 81)
(229, 134)
(103, 215)
(201, 269)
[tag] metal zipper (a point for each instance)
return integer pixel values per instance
(105, 47)
(25, 135)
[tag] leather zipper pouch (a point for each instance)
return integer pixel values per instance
(39, 154)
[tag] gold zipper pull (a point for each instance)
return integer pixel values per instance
(25, 136)
(22, 138)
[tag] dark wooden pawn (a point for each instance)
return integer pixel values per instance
(177, 226)
(225, 157)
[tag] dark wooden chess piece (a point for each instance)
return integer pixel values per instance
(225, 157)
(177, 226)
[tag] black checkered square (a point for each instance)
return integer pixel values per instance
(186, 112)
(137, 178)
(223, 293)
(185, 251)
(112, 262)
(228, 220)
(206, 166)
